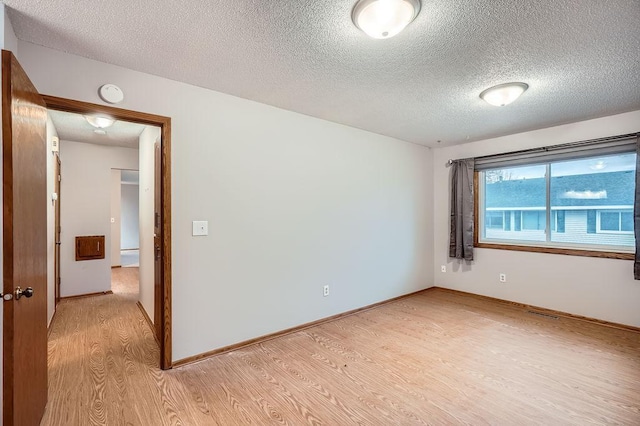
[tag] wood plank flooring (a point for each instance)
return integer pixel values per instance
(434, 358)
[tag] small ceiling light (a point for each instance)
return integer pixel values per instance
(99, 122)
(384, 18)
(503, 94)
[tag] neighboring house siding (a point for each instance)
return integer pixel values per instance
(575, 227)
(575, 232)
(516, 235)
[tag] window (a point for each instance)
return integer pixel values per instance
(615, 221)
(558, 202)
(494, 220)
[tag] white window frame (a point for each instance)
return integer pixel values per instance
(607, 231)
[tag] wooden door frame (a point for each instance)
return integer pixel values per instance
(80, 107)
(56, 231)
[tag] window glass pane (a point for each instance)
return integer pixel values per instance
(594, 193)
(609, 221)
(533, 220)
(627, 221)
(494, 220)
(515, 192)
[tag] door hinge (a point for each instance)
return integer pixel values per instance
(59, 178)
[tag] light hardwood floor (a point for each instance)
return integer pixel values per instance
(433, 358)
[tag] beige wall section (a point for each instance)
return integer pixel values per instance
(9, 39)
(129, 216)
(86, 187)
(598, 288)
(146, 211)
(116, 222)
(293, 203)
(51, 220)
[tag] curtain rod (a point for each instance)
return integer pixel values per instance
(554, 147)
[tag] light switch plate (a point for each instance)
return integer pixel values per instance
(200, 228)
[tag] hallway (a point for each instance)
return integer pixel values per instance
(102, 353)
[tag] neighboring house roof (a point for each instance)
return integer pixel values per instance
(595, 189)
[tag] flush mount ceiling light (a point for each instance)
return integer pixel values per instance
(99, 122)
(384, 18)
(503, 94)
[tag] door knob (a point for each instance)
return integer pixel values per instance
(27, 292)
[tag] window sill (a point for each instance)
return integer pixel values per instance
(555, 250)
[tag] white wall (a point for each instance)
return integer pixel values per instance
(85, 210)
(293, 203)
(598, 288)
(129, 207)
(146, 215)
(51, 221)
(116, 216)
(9, 39)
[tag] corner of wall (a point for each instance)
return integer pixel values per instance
(9, 39)
(431, 226)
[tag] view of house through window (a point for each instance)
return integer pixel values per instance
(585, 203)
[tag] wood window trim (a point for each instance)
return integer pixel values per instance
(532, 249)
(164, 123)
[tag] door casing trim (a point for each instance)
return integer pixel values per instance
(164, 123)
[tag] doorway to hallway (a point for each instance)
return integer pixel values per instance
(158, 299)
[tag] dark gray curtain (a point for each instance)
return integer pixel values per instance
(461, 231)
(636, 214)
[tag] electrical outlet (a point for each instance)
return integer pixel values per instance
(443, 268)
(325, 291)
(503, 278)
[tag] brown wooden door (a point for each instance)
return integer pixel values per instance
(24, 118)
(58, 241)
(157, 244)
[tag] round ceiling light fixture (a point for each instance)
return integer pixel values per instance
(503, 94)
(384, 18)
(99, 122)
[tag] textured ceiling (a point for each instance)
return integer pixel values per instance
(579, 57)
(74, 127)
